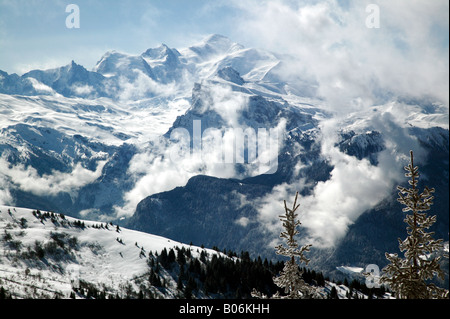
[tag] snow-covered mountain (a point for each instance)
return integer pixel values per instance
(98, 144)
(157, 71)
(70, 117)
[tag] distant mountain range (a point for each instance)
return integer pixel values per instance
(96, 144)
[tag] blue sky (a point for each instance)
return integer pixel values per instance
(33, 33)
(329, 39)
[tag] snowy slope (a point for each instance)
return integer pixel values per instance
(109, 257)
(100, 119)
(46, 255)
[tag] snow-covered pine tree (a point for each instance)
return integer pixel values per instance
(408, 276)
(290, 277)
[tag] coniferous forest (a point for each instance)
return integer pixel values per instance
(227, 275)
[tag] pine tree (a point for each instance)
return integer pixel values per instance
(333, 293)
(408, 276)
(2, 293)
(290, 277)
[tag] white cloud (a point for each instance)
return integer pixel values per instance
(82, 89)
(39, 86)
(164, 166)
(28, 179)
(142, 87)
(243, 221)
(5, 195)
(354, 186)
(155, 171)
(355, 68)
(227, 103)
(352, 64)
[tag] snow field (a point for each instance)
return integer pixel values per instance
(110, 256)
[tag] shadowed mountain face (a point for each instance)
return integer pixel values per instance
(204, 208)
(222, 212)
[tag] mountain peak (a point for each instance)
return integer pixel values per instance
(74, 66)
(216, 38)
(108, 56)
(160, 52)
(213, 45)
(220, 42)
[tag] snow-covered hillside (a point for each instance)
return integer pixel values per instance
(46, 255)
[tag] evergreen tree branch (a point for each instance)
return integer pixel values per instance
(408, 276)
